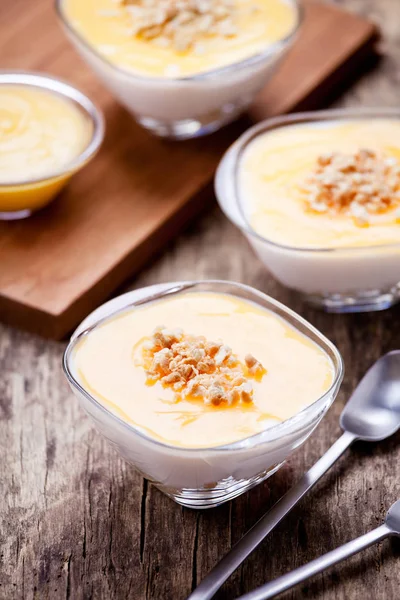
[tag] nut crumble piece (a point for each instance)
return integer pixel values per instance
(181, 24)
(360, 184)
(196, 368)
(254, 366)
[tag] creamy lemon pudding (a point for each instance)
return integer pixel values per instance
(157, 55)
(42, 134)
(217, 370)
(222, 370)
(333, 184)
(170, 38)
(324, 196)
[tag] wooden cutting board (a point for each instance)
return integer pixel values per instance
(139, 191)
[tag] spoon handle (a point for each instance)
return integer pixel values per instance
(273, 588)
(220, 573)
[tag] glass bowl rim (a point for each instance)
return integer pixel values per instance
(271, 50)
(267, 435)
(64, 89)
(235, 152)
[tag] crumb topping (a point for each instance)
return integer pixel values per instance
(360, 184)
(197, 368)
(182, 24)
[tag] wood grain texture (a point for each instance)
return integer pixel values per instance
(78, 523)
(139, 191)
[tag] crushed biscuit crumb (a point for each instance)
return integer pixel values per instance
(360, 184)
(196, 368)
(254, 366)
(181, 24)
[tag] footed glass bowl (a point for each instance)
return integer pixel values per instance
(188, 106)
(204, 477)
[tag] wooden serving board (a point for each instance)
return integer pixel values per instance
(139, 191)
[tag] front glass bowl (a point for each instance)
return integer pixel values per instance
(350, 279)
(19, 200)
(201, 478)
(184, 107)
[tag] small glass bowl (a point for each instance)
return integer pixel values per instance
(205, 477)
(19, 200)
(185, 107)
(354, 279)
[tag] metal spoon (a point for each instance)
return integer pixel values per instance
(391, 526)
(371, 414)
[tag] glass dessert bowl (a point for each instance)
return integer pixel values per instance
(48, 131)
(186, 85)
(318, 195)
(202, 447)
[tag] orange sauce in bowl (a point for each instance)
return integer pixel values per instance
(41, 133)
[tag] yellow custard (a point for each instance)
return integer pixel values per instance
(275, 165)
(106, 25)
(297, 371)
(41, 133)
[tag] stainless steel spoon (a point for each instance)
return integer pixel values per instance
(391, 526)
(371, 414)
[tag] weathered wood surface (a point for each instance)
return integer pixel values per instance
(79, 523)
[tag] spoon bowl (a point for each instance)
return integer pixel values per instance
(373, 411)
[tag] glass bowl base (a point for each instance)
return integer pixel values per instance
(192, 128)
(367, 301)
(217, 493)
(15, 215)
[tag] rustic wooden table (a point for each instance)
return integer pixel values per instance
(77, 522)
